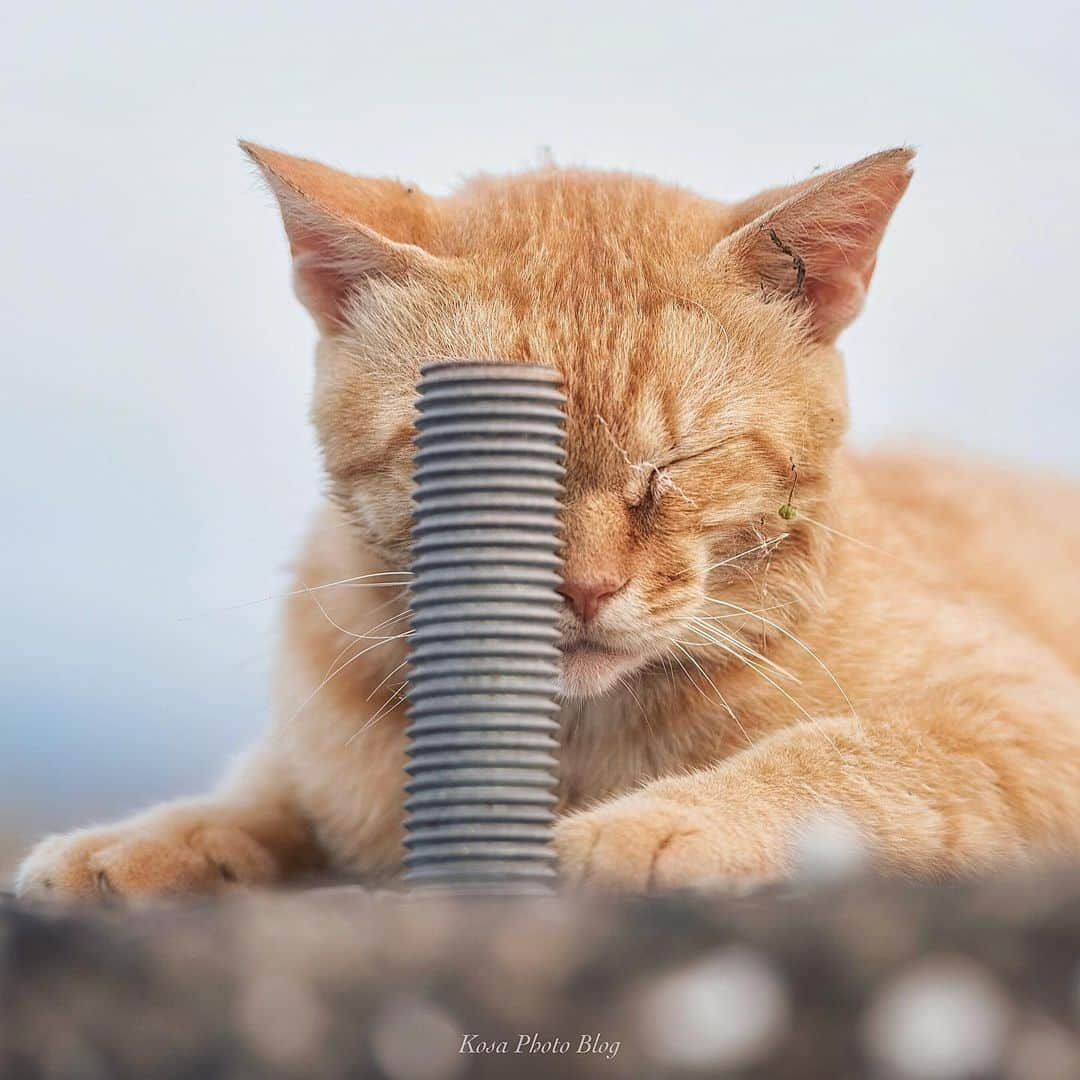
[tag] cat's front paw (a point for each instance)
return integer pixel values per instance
(643, 842)
(160, 858)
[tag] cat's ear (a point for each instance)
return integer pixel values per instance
(816, 242)
(345, 229)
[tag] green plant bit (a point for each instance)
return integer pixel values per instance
(788, 511)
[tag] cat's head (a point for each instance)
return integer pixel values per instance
(696, 343)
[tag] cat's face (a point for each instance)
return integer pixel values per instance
(695, 343)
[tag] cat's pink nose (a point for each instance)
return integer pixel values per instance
(586, 596)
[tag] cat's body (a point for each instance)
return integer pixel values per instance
(905, 648)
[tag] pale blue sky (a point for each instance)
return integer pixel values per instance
(157, 465)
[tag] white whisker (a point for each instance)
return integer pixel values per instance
(342, 667)
(721, 645)
(763, 546)
(370, 631)
(798, 705)
(739, 646)
(386, 707)
(351, 581)
(386, 678)
(682, 667)
(800, 643)
(637, 701)
(723, 701)
(745, 612)
(855, 540)
(386, 603)
(351, 633)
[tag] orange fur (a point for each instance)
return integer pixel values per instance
(905, 650)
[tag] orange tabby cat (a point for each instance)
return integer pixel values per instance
(902, 646)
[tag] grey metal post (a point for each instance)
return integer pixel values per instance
(484, 661)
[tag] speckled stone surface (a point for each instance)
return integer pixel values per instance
(867, 979)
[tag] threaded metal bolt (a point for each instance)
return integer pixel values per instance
(483, 658)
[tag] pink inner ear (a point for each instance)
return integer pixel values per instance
(320, 286)
(837, 279)
(331, 256)
(842, 248)
(343, 228)
(324, 260)
(822, 240)
(836, 301)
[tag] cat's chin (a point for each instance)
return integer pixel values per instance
(587, 671)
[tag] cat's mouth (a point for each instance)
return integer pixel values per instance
(589, 668)
(587, 648)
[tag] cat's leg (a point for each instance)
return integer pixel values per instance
(250, 832)
(947, 785)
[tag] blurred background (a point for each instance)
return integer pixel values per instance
(156, 460)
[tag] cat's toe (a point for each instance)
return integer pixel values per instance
(151, 866)
(142, 864)
(58, 869)
(633, 844)
(645, 842)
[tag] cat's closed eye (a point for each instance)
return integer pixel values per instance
(644, 488)
(637, 488)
